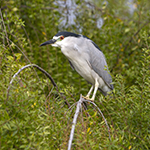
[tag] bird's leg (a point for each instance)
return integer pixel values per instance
(89, 93)
(95, 90)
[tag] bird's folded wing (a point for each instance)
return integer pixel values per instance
(98, 64)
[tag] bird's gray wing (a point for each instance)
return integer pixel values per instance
(98, 63)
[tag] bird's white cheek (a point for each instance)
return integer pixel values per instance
(57, 44)
(54, 45)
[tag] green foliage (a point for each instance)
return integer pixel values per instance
(34, 115)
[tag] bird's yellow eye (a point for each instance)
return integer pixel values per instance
(62, 37)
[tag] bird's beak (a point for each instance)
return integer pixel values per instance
(48, 42)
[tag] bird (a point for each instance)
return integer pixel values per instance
(86, 58)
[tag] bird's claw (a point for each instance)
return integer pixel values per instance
(87, 98)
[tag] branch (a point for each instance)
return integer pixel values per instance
(136, 34)
(74, 121)
(126, 46)
(31, 65)
(82, 100)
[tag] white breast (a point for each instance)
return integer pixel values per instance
(79, 62)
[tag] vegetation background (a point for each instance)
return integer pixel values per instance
(35, 115)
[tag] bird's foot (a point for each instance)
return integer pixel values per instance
(87, 98)
(91, 99)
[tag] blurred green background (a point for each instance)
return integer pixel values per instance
(35, 115)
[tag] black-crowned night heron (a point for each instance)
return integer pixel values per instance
(86, 58)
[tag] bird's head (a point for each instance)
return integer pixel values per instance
(60, 39)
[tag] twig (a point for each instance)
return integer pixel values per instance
(135, 35)
(71, 107)
(17, 47)
(30, 65)
(126, 46)
(20, 51)
(5, 31)
(100, 113)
